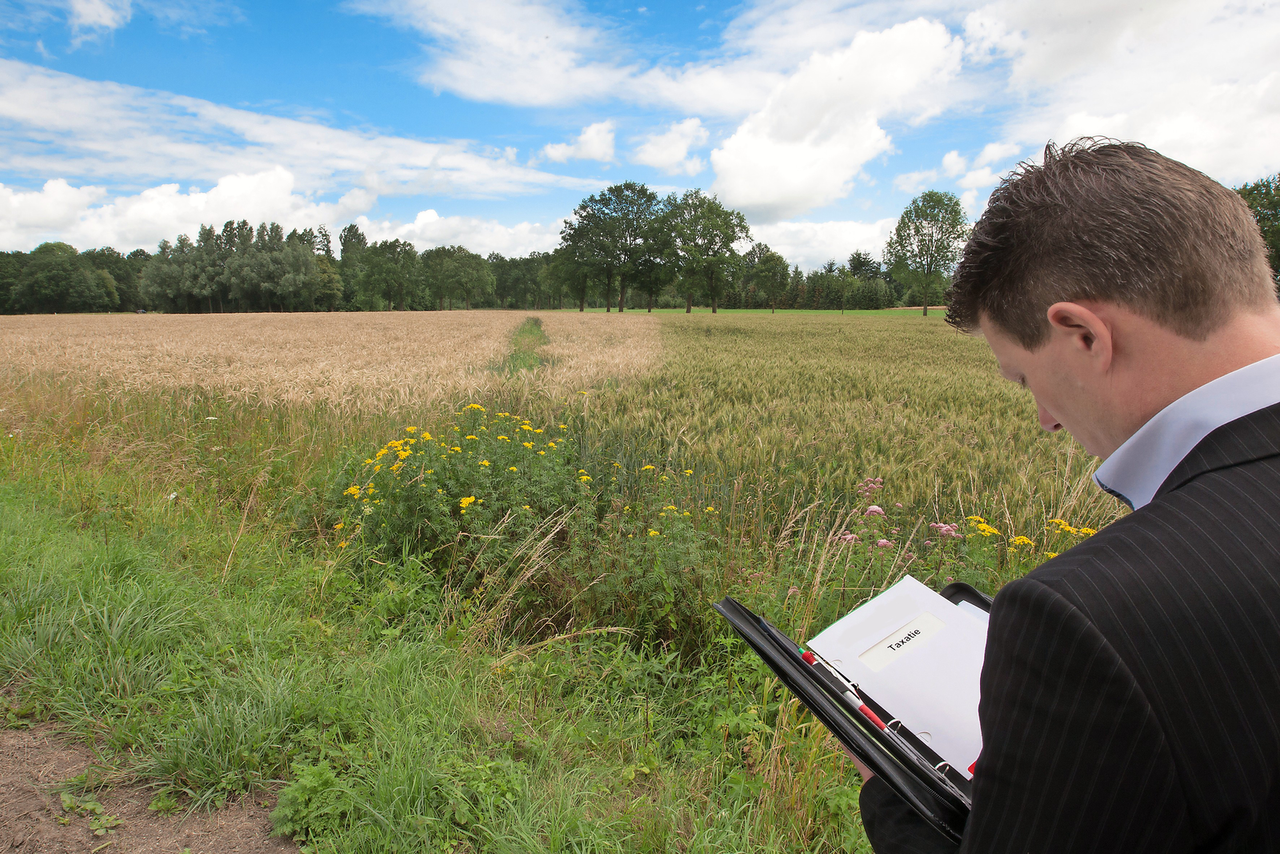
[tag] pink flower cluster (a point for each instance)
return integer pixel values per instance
(874, 510)
(870, 485)
(847, 537)
(948, 531)
(884, 544)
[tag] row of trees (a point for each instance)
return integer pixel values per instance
(624, 247)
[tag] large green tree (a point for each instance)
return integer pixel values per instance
(703, 234)
(767, 272)
(609, 230)
(11, 267)
(1263, 198)
(926, 244)
(56, 279)
(390, 277)
(123, 271)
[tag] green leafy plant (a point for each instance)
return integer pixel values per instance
(315, 805)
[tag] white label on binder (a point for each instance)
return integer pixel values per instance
(929, 681)
(912, 636)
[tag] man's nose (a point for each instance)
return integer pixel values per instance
(1047, 421)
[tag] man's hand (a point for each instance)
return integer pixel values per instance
(866, 772)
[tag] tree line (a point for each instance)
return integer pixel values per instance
(624, 247)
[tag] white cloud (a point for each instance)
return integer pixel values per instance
(85, 217)
(914, 182)
(978, 178)
(89, 19)
(594, 143)
(669, 151)
(1194, 79)
(995, 152)
(506, 51)
(479, 235)
(812, 244)
(953, 164)
(809, 141)
(54, 124)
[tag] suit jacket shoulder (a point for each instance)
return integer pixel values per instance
(1187, 592)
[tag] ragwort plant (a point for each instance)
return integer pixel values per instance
(470, 499)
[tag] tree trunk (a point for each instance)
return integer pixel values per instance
(926, 306)
(582, 303)
(651, 302)
(622, 295)
(688, 303)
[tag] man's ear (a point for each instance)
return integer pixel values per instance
(1085, 331)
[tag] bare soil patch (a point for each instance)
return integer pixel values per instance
(34, 762)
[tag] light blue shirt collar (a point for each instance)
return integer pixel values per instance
(1138, 467)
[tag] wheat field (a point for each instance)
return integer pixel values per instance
(347, 361)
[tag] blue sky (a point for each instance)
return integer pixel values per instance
(483, 123)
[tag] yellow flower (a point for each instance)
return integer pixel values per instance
(467, 502)
(1021, 541)
(528, 445)
(342, 545)
(512, 468)
(711, 509)
(353, 491)
(473, 406)
(669, 507)
(562, 427)
(377, 469)
(484, 463)
(503, 439)
(586, 478)
(542, 453)
(978, 519)
(986, 530)
(688, 472)
(654, 533)
(526, 507)
(338, 526)
(1088, 532)
(411, 429)
(646, 468)
(1050, 555)
(368, 462)
(469, 437)
(456, 449)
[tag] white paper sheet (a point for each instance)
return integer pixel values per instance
(920, 657)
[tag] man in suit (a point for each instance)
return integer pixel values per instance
(1131, 686)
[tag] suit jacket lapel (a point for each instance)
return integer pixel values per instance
(1253, 437)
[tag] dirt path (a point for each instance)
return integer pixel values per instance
(32, 818)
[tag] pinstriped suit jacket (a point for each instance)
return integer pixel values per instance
(1131, 686)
